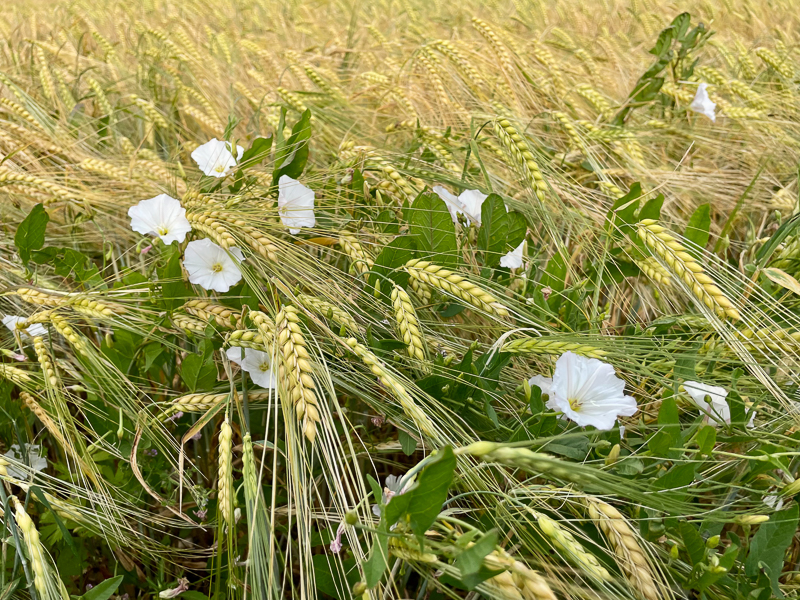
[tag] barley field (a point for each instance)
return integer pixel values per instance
(394, 300)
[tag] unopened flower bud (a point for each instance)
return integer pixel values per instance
(359, 588)
(351, 518)
(613, 455)
(674, 552)
(712, 542)
(751, 519)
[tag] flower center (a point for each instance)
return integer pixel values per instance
(216, 267)
(163, 230)
(575, 404)
(264, 366)
(219, 168)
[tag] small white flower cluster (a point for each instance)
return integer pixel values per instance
(207, 264)
(469, 204)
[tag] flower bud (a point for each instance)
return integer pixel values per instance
(613, 455)
(791, 489)
(712, 542)
(351, 518)
(674, 552)
(359, 588)
(751, 519)
(480, 448)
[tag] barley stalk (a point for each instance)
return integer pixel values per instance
(208, 311)
(550, 346)
(34, 546)
(455, 285)
(517, 147)
(407, 323)
(225, 473)
(361, 262)
(330, 311)
(394, 385)
(565, 541)
(683, 264)
(295, 370)
(626, 547)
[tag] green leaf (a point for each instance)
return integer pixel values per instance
(555, 273)
(70, 263)
(170, 276)
(257, 152)
(292, 155)
(494, 229)
(375, 565)
(785, 230)
(30, 233)
(769, 545)
(782, 278)
(6, 593)
(470, 560)
(407, 443)
(431, 491)
(65, 534)
(393, 256)
(329, 579)
(433, 230)
(652, 209)
(398, 506)
(103, 591)
(193, 595)
(190, 370)
(706, 438)
(517, 229)
(698, 227)
(693, 541)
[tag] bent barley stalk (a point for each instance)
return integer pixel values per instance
(683, 264)
(34, 546)
(397, 389)
(330, 311)
(455, 285)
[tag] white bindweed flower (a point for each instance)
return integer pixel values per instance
(215, 158)
(162, 216)
(210, 267)
(391, 489)
(295, 204)
(773, 500)
(513, 260)
(472, 201)
(256, 363)
(543, 383)
(702, 103)
(717, 411)
(589, 392)
(36, 461)
(35, 330)
(468, 203)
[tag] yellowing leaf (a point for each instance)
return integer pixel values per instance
(783, 279)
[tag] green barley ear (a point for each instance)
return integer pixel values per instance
(517, 148)
(30, 535)
(225, 473)
(550, 346)
(684, 266)
(626, 547)
(295, 370)
(407, 323)
(394, 385)
(455, 285)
